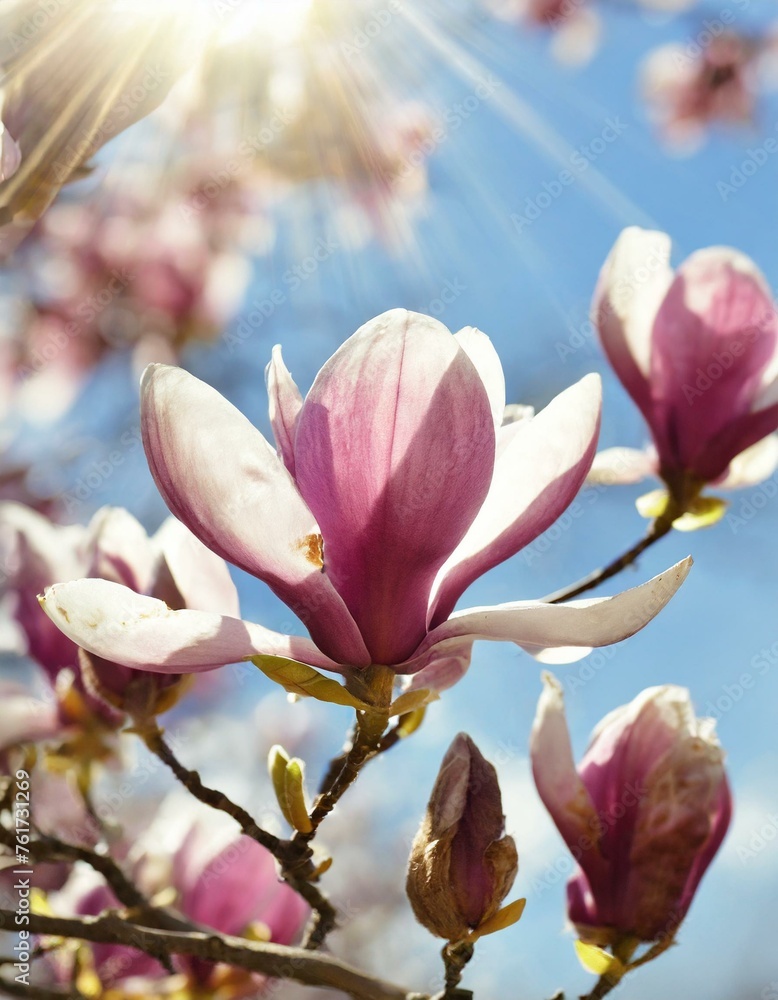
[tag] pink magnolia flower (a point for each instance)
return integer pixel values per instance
(75, 79)
(643, 815)
(231, 886)
(10, 154)
(393, 487)
(686, 92)
(172, 566)
(698, 352)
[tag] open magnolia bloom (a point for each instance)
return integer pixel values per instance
(171, 565)
(643, 815)
(697, 349)
(394, 486)
(74, 77)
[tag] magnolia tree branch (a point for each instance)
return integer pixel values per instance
(658, 529)
(294, 857)
(273, 960)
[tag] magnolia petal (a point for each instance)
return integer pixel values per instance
(752, 466)
(556, 778)
(117, 624)
(118, 549)
(536, 476)
(200, 576)
(714, 339)
(622, 466)
(632, 284)
(24, 718)
(10, 154)
(285, 404)
(535, 625)
(394, 454)
(440, 671)
(479, 348)
(247, 509)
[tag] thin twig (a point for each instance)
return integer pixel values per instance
(294, 857)
(658, 529)
(274, 960)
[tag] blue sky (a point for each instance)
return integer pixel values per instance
(530, 291)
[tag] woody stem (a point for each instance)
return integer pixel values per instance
(660, 527)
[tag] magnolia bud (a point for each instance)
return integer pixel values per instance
(461, 866)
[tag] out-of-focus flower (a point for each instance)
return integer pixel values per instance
(75, 78)
(461, 865)
(686, 92)
(698, 352)
(172, 566)
(394, 487)
(10, 156)
(576, 26)
(643, 815)
(229, 885)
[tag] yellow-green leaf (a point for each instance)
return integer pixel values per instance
(702, 513)
(295, 796)
(412, 700)
(299, 678)
(597, 960)
(277, 760)
(506, 917)
(410, 722)
(653, 504)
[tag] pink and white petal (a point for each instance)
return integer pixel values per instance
(515, 412)
(632, 285)
(285, 402)
(717, 322)
(24, 718)
(220, 476)
(117, 624)
(534, 625)
(201, 577)
(536, 475)
(622, 466)
(439, 672)
(394, 454)
(117, 548)
(752, 466)
(553, 767)
(479, 348)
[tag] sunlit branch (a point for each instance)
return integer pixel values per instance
(276, 961)
(658, 529)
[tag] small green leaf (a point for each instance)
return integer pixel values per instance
(410, 722)
(702, 513)
(295, 796)
(598, 961)
(412, 700)
(300, 679)
(506, 917)
(653, 504)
